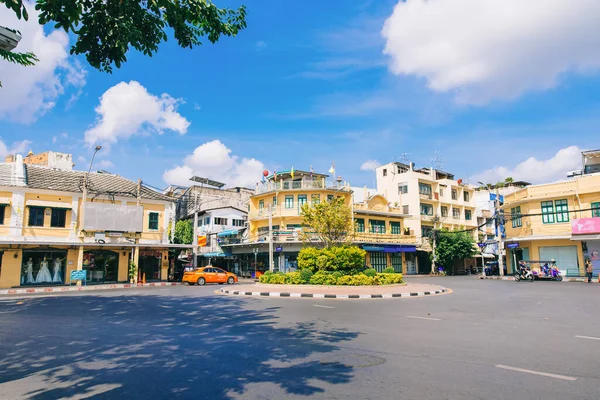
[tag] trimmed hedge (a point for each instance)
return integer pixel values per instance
(331, 278)
(345, 259)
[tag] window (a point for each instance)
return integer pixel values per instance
(274, 201)
(261, 204)
(515, 214)
(315, 199)
(59, 218)
(562, 210)
(293, 226)
(455, 213)
(405, 210)
(2, 212)
(207, 221)
(238, 222)
(426, 209)
(289, 201)
(395, 228)
(384, 172)
(547, 212)
(377, 226)
(444, 210)
(152, 221)
(466, 196)
(220, 221)
(454, 193)
(441, 192)
(329, 197)
(468, 215)
(360, 224)
(36, 216)
(301, 200)
(425, 189)
(403, 188)
(596, 209)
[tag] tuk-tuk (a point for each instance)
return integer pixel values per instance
(545, 270)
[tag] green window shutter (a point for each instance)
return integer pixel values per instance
(562, 210)
(153, 221)
(596, 209)
(360, 225)
(289, 201)
(395, 228)
(547, 212)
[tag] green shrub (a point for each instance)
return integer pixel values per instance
(362, 280)
(370, 272)
(390, 279)
(265, 278)
(306, 274)
(345, 280)
(307, 258)
(389, 270)
(294, 278)
(278, 279)
(337, 274)
(268, 273)
(323, 278)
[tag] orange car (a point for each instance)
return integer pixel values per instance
(209, 275)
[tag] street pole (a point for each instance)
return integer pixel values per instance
(271, 263)
(499, 238)
(82, 213)
(255, 251)
(433, 252)
(195, 241)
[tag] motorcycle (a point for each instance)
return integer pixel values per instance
(524, 274)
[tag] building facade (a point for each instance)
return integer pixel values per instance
(48, 229)
(559, 221)
(277, 203)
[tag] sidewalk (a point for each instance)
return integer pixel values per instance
(511, 278)
(336, 292)
(63, 289)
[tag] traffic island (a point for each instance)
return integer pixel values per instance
(337, 292)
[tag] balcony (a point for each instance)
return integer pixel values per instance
(278, 211)
(387, 238)
(307, 184)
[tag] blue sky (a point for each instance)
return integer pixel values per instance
(311, 83)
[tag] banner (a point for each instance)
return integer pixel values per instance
(202, 241)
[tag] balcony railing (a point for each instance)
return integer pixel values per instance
(387, 238)
(300, 185)
(296, 235)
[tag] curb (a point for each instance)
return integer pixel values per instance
(65, 289)
(333, 296)
(504, 278)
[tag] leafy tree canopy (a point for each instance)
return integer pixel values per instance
(184, 232)
(330, 222)
(106, 29)
(452, 246)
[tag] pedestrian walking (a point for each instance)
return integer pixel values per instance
(589, 269)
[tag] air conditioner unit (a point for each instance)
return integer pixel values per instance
(8, 38)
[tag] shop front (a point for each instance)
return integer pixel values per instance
(395, 256)
(102, 266)
(587, 232)
(43, 266)
(150, 265)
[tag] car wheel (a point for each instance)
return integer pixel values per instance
(201, 281)
(230, 280)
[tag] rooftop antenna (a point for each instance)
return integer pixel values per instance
(437, 163)
(404, 157)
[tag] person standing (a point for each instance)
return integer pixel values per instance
(589, 269)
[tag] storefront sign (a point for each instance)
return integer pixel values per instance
(279, 249)
(585, 226)
(80, 275)
(512, 246)
(202, 241)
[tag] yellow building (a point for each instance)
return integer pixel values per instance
(279, 202)
(543, 223)
(47, 230)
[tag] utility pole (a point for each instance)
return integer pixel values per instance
(195, 241)
(433, 259)
(255, 251)
(271, 263)
(499, 239)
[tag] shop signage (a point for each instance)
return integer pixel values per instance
(202, 241)
(481, 245)
(278, 248)
(115, 234)
(78, 275)
(512, 245)
(584, 226)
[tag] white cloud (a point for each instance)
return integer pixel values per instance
(260, 45)
(197, 107)
(16, 148)
(369, 165)
(63, 135)
(534, 170)
(214, 160)
(104, 164)
(30, 92)
(489, 49)
(127, 109)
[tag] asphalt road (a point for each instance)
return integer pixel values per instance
(486, 340)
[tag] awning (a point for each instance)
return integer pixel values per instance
(5, 201)
(214, 254)
(391, 249)
(48, 204)
(229, 232)
(594, 236)
(373, 248)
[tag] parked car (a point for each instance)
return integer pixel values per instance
(209, 274)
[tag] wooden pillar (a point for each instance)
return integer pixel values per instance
(404, 265)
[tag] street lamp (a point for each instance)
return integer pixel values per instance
(85, 183)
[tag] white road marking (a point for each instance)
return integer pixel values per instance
(318, 305)
(587, 337)
(546, 374)
(429, 319)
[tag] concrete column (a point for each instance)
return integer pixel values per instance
(79, 261)
(404, 265)
(136, 260)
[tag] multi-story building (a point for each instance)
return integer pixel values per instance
(379, 227)
(47, 229)
(559, 220)
(433, 198)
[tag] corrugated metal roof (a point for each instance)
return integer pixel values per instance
(98, 183)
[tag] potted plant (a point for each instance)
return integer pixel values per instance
(132, 271)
